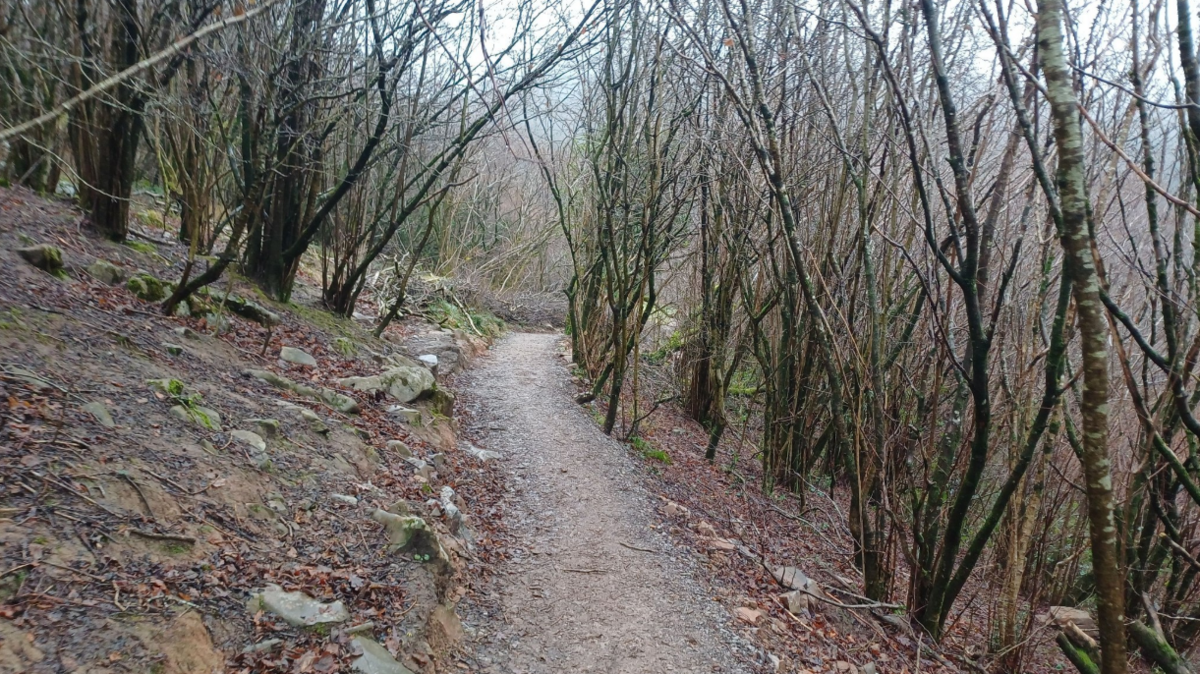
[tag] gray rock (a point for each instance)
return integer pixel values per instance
(405, 383)
(335, 400)
(314, 421)
(268, 428)
(254, 440)
(442, 402)
(410, 534)
(219, 323)
(481, 454)
(294, 355)
(1061, 615)
(438, 460)
(401, 449)
(106, 272)
(345, 347)
(375, 659)
(430, 361)
(173, 349)
(251, 311)
(797, 602)
(405, 415)
(344, 498)
(187, 333)
(296, 608)
(441, 344)
(791, 577)
(203, 417)
(43, 256)
(450, 508)
(147, 288)
(98, 410)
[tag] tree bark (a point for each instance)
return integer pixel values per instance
(1093, 331)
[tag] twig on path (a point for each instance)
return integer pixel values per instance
(584, 570)
(67, 568)
(163, 537)
(15, 569)
(129, 478)
(634, 547)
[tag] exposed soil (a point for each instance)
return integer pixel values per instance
(592, 583)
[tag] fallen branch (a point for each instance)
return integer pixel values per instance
(834, 602)
(634, 547)
(163, 537)
(106, 84)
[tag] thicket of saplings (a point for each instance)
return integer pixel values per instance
(941, 257)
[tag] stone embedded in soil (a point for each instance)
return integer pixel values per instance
(430, 361)
(106, 272)
(293, 355)
(251, 311)
(410, 534)
(400, 448)
(406, 415)
(145, 287)
(100, 412)
(43, 256)
(375, 659)
(1061, 615)
(420, 468)
(218, 323)
(796, 602)
(438, 460)
(254, 440)
(268, 428)
(187, 333)
(750, 615)
(335, 400)
(203, 417)
(453, 515)
(173, 349)
(296, 608)
(442, 402)
(790, 577)
(405, 382)
(481, 454)
(344, 498)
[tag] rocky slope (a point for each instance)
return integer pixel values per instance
(247, 486)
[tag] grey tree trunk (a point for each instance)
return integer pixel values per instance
(1093, 333)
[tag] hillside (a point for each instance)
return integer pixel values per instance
(161, 472)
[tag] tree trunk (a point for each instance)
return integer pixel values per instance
(1093, 331)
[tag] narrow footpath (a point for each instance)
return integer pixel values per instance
(591, 587)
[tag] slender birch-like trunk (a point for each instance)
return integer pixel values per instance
(1093, 333)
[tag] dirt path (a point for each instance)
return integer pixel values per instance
(591, 587)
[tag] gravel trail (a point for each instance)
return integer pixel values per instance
(591, 587)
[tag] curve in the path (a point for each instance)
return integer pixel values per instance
(591, 587)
